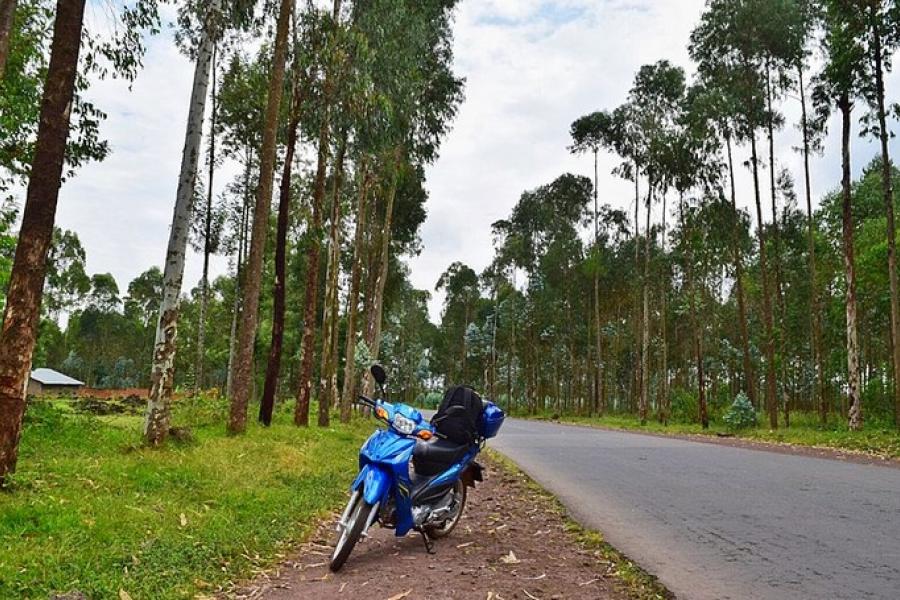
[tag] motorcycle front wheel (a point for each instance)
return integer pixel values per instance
(448, 525)
(350, 533)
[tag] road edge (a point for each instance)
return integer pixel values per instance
(631, 578)
(824, 452)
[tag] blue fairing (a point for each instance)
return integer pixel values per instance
(384, 462)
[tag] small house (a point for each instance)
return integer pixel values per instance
(47, 382)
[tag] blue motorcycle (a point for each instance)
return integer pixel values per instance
(428, 498)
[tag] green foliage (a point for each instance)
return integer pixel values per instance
(741, 415)
(89, 511)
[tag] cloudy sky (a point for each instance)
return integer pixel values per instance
(532, 67)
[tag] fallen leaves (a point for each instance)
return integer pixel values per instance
(123, 595)
(401, 596)
(510, 559)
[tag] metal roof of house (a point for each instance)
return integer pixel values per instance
(51, 377)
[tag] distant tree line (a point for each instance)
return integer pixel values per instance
(672, 311)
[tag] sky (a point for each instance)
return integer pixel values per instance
(531, 68)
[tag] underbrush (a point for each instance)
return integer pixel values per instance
(90, 510)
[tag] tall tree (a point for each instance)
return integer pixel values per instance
(208, 242)
(162, 374)
(725, 53)
(311, 298)
(838, 85)
(588, 134)
(883, 39)
(243, 363)
(23, 300)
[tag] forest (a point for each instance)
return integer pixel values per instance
(677, 309)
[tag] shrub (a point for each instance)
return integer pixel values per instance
(685, 407)
(741, 415)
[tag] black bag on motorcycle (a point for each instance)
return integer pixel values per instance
(457, 416)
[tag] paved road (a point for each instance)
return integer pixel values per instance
(716, 522)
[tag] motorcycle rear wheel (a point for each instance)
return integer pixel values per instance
(349, 534)
(445, 528)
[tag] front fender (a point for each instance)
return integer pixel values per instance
(376, 483)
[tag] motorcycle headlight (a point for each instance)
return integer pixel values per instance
(404, 425)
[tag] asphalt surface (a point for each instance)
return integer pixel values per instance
(717, 522)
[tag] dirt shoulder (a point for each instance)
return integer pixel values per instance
(513, 542)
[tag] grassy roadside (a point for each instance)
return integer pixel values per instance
(92, 511)
(632, 579)
(880, 440)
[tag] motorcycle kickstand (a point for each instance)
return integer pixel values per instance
(429, 545)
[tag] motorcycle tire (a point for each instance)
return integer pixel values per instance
(349, 535)
(437, 532)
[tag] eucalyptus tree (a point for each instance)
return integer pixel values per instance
(416, 95)
(309, 46)
(240, 119)
(882, 38)
(657, 96)
(331, 69)
(838, 86)
(23, 300)
(711, 110)
(461, 287)
(212, 18)
(208, 231)
(590, 133)
(726, 54)
(425, 95)
(243, 363)
(812, 143)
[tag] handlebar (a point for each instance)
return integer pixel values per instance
(364, 400)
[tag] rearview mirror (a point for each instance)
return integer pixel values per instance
(379, 374)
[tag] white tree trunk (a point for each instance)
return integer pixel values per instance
(156, 424)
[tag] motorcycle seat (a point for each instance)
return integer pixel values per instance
(436, 456)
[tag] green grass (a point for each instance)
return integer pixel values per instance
(876, 439)
(90, 510)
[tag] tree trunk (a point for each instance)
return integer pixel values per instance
(162, 374)
(645, 319)
(207, 243)
(636, 381)
(888, 188)
(7, 18)
(238, 277)
(273, 366)
(776, 238)
(746, 358)
(855, 398)
(598, 392)
(243, 367)
(350, 383)
(308, 343)
(771, 383)
(815, 306)
(23, 300)
(663, 408)
(328, 377)
(698, 335)
(381, 281)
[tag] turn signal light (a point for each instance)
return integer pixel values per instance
(381, 413)
(426, 435)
